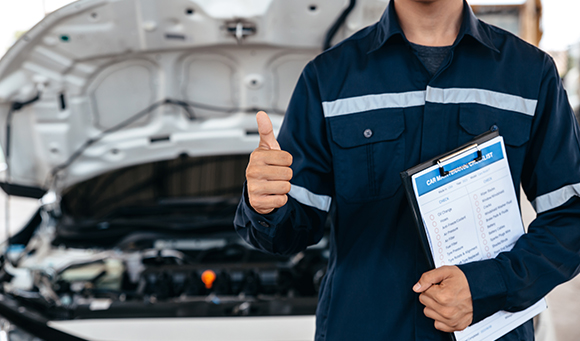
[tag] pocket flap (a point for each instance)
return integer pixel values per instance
(364, 128)
(514, 127)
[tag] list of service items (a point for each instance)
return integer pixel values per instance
(472, 218)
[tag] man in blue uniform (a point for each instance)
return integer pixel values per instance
(425, 79)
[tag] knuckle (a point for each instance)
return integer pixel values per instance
(259, 155)
(287, 187)
(445, 299)
(447, 312)
(252, 188)
(254, 159)
(252, 172)
(255, 155)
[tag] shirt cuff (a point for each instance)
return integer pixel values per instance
(264, 223)
(487, 286)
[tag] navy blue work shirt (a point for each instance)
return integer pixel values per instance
(368, 109)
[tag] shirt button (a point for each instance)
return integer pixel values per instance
(494, 128)
(368, 133)
(263, 223)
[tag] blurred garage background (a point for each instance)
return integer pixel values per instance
(550, 24)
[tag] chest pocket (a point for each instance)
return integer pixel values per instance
(514, 127)
(368, 154)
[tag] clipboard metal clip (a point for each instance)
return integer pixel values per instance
(440, 162)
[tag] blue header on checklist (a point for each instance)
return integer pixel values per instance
(458, 169)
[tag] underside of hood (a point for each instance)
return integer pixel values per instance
(110, 84)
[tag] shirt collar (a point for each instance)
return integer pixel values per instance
(389, 26)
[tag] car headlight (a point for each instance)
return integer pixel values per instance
(10, 332)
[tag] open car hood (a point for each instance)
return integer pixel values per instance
(117, 83)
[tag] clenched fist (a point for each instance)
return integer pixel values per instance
(268, 174)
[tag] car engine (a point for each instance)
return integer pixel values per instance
(212, 276)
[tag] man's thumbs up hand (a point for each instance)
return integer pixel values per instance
(268, 174)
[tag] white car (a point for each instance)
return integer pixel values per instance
(572, 78)
(132, 122)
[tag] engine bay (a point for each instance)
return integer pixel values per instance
(149, 241)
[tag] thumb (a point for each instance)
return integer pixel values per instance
(267, 138)
(431, 278)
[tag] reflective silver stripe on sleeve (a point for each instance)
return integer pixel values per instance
(373, 102)
(485, 97)
(304, 196)
(555, 199)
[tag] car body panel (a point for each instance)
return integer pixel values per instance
(292, 328)
(97, 63)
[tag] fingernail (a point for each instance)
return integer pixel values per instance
(417, 286)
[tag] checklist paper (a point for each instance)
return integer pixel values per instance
(472, 214)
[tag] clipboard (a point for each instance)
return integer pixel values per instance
(440, 160)
(465, 208)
